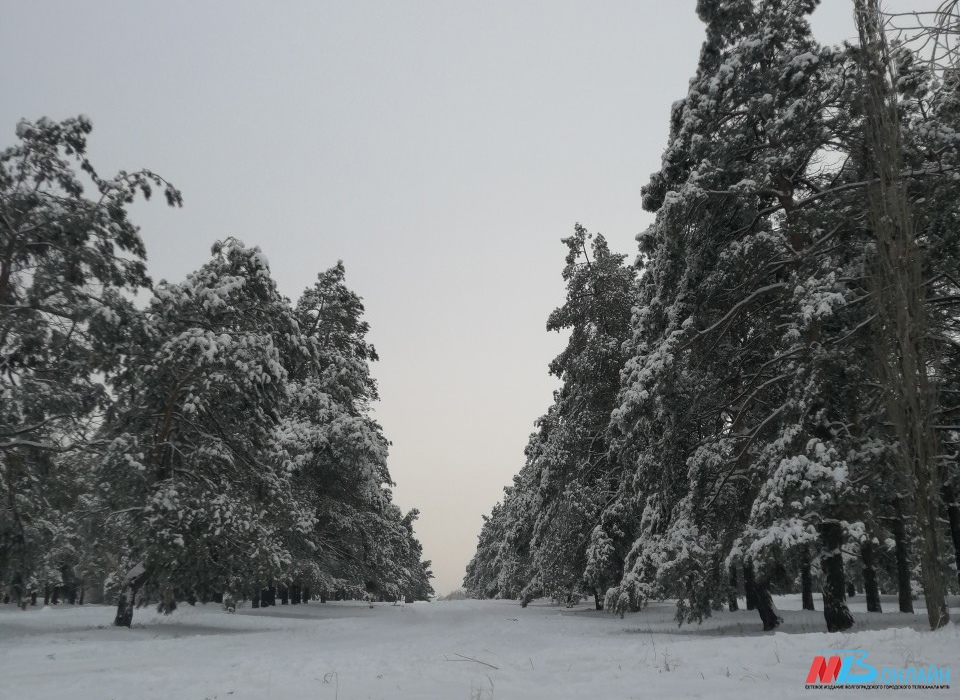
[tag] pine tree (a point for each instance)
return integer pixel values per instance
(194, 499)
(66, 261)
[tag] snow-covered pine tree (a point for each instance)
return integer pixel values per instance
(560, 536)
(195, 501)
(578, 480)
(337, 455)
(66, 260)
(706, 384)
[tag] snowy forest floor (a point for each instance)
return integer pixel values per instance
(446, 650)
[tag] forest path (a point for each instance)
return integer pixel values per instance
(444, 650)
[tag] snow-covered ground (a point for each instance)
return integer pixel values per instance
(444, 650)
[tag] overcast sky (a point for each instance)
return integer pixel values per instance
(441, 149)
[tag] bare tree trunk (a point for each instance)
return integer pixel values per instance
(953, 514)
(734, 586)
(765, 606)
(835, 611)
(902, 551)
(749, 586)
(870, 588)
(901, 312)
(806, 582)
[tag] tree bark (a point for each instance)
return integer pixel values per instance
(806, 582)
(33, 598)
(46, 595)
(899, 298)
(749, 586)
(835, 610)
(284, 595)
(734, 586)
(128, 595)
(268, 597)
(953, 515)
(851, 589)
(765, 606)
(902, 551)
(870, 588)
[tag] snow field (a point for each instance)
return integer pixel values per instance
(445, 650)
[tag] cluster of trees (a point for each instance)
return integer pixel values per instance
(768, 398)
(216, 442)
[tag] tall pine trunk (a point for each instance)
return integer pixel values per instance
(749, 586)
(806, 582)
(898, 295)
(870, 587)
(734, 586)
(953, 515)
(835, 610)
(902, 552)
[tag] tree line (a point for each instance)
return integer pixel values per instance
(215, 443)
(766, 401)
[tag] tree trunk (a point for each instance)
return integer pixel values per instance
(597, 600)
(734, 586)
(765, 606)
(835, 610)
(55, 598)
(295, 594)
(33, 598)
(128, 594)
(266, 597)
(284, 596)
(899, 298)
(749, 586)
(806, 582)
(255, 598)
(902, 551)
(870, 588)
(46, 595)
(851, 589)
(953, 514)
(83, 590)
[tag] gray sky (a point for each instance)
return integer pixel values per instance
(441, 149)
